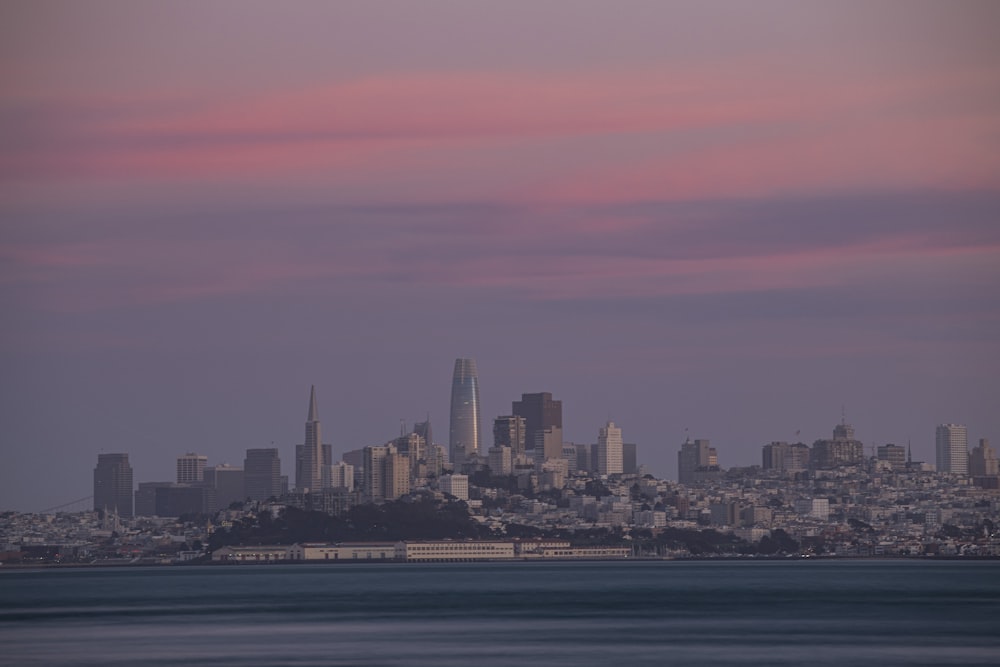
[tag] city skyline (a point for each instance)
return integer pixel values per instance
(268, 472)
(718, 220)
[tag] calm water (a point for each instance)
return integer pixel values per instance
(662, 613)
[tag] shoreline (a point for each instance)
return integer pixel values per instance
(641, 559)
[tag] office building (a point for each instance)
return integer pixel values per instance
(510, 431)
(397, 474)
(373, 486)
(166, 499)
(301, 468)
(952, 449)
(609, 450)
(228, 483)
(583, 457)
(540, 413)
(191, 468)
(113, 484)
(630, 463)
(309, 465)
(262, 474)
(697, 462)
(894, 455)
(423, 429)
(342, 476)
(843, 450)
(455, 485)
(500, 460)
(786, 457)
(548, 444)
(463, 435)
(983, 460)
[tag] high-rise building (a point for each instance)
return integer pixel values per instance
(952, 448)
(540, 413)
(509, 431)
(500, 460)
(464, 432)
(696, 462)
(113, 484)
(326, 455)
(342, 476)
(423, 429)
(262, 474)
(166, 499)
(309, 468)
(548, 444)
(228, 484)
(786, 457)
(374, 472)
(842, 450)
(983, 460)
(455, 485)
(397, 474)
(894, 455)
(191, 468)
(583, 458)
(630, 463)
(609, 450)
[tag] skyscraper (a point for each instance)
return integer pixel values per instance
(464, 432)
(113, 484)
(630, 466)
(696, 462)
(983, 460)
(540, 413)
(227, 482)
(609, 450)
(423, 429)
(509, 431)
(262, 474)
(952, 448)
(191, 468)
(309, 471)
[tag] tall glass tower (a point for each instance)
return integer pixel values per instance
(464, 433)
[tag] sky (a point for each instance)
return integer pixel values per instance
(734, 221)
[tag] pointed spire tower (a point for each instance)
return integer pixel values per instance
(313, 412)
(312, 450)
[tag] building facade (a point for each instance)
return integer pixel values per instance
(540, 413)
(228, 484)
(113, 484)
(952, 448)
(191, 468)
(609, 450)
(455, 485)
(309, 466)
(262, 474)
(983, 460)
(697, 462)
(843, 450)
(510, 431)
(894, 455)
(463, 434)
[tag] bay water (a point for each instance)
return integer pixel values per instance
(829, 612)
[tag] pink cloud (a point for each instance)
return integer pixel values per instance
(784, 131)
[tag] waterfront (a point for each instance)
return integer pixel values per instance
(739, 613)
